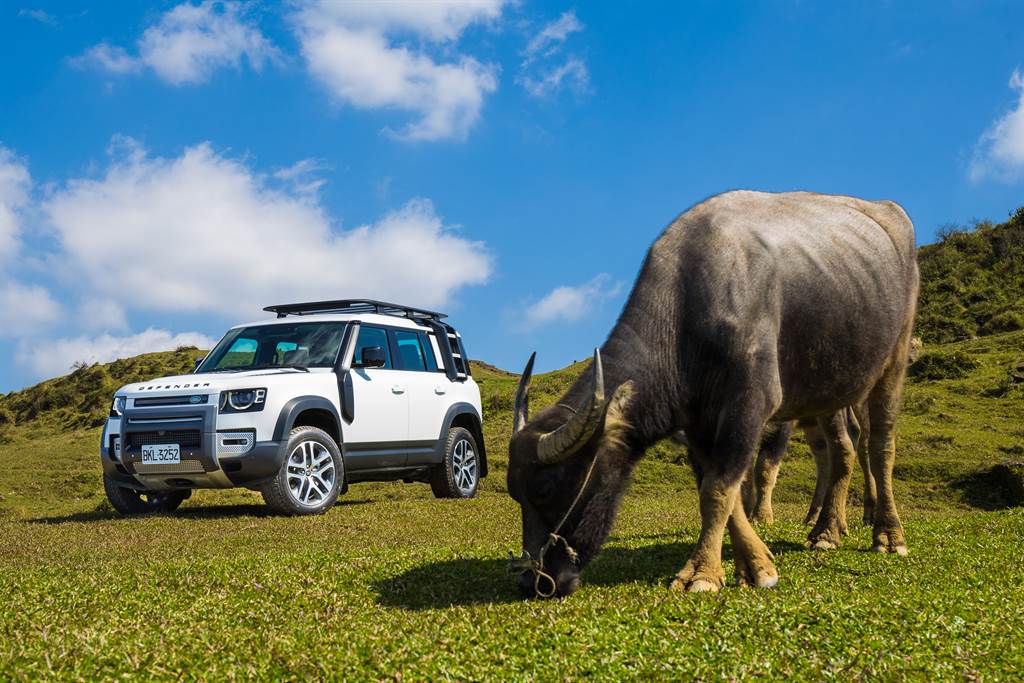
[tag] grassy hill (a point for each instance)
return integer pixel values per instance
(392, 581)
(972, 281)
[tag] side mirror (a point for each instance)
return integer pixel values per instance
(373, 357)
(199, 361)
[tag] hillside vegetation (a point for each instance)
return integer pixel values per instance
(972, 281)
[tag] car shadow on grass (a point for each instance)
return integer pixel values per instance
(197, 512)
(475, 581)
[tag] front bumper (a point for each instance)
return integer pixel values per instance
(209, 458)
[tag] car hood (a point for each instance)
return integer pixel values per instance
(209, 382)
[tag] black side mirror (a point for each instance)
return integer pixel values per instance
(199, 361)
(373, 357)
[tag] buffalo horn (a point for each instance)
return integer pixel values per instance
(522, 409)
(560, 444)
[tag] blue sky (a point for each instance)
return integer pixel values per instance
(165, 171)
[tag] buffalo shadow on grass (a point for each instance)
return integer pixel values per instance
(225, 511)
(475, 581)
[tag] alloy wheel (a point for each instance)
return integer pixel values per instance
(311, 473)
(464, 466)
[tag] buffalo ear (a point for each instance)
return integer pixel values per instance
(615, 422)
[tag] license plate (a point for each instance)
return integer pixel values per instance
(161, 454)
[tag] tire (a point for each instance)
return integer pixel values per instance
(459, 475)
(310, 477)
(131, 502)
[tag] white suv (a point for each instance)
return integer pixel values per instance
(329, 393)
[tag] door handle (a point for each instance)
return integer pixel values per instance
(397, 389)
(440, 391)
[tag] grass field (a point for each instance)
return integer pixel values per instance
(392, 584)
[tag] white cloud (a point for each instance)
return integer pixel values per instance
(110, 58)
(568, 303)
(552, 35)
(351, 49)
(26, 309)
(437, 20)
(543, 72)
(189, 43)
(42, 16)
(572, 73)
(15, 183)
(49, 358)
(95, 313)
(1000, 151)
(203, 232)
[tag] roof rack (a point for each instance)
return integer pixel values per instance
(354, 306)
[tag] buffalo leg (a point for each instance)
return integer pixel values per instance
(703, 571)
(819, 449)
(719, 481)
(862, 423)
(766, 472)
(754, 566)
(883, 406)
(831, 522)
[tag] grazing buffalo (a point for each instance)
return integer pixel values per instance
(750, 308)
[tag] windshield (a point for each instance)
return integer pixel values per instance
(298, 345)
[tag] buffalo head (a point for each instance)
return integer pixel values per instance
(549, 460)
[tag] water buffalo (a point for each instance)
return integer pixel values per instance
(749, 308)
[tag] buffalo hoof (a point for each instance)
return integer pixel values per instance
(689, 580)
(763, 577)
(761, 516)
(812, 516)
(886, 542)
(822, 544)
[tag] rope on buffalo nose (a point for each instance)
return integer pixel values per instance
(524, 563)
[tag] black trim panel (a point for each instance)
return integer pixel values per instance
(292, 408)
(454, 411)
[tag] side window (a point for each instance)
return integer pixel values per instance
(410, 353)
(428, 352)
(372, 336)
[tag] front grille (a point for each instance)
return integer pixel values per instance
(186, 438)
(192, 399)
(183, 467)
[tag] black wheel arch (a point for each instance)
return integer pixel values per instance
(466, 416)
(314, 411)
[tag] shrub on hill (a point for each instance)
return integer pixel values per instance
(943, 365)
(972, 282)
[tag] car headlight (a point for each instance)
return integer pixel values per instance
(118, 406)
(243, 400)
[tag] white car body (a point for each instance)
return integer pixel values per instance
(389, 422)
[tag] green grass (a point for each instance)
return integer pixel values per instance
(394, 584)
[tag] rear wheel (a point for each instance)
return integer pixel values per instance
(310, 478)
(131, 502)
(459, 475)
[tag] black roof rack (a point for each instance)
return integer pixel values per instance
(354, 306)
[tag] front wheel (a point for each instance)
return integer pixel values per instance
(459, 475)
(310, 479)
(131, 502)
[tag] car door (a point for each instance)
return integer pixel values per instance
(427, 391)
(378, 435)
